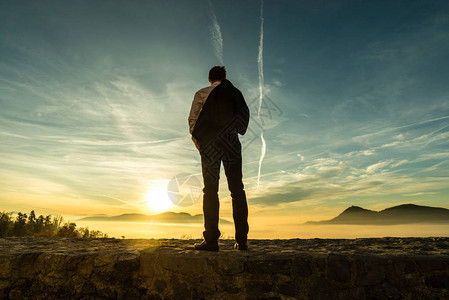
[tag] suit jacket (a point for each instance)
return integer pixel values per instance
(224, 114)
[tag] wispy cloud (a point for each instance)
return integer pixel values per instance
(420, 194)
(339, 185)
(215, 32)
(377, 166)
(392, 129)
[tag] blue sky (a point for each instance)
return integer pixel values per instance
(95, 95)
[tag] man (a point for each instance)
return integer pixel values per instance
(218, 114)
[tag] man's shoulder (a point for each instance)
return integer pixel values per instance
(205, 90)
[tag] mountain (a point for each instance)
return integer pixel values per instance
(401, 214)
(166, 217)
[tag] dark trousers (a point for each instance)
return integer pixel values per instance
(211, 157)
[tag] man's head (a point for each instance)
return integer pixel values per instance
(217, 73)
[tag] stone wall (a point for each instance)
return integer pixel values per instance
(389, 268)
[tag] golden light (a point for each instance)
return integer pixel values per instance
(157, 199)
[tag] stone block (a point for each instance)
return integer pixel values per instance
(368, 270)
(269, 264)
(302, 265)
(438, 281)
(285, 269)
(383, 291)
(229, 264)
(5, 267)
(427, 264)
(339, 269)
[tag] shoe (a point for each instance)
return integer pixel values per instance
(241, 246)
(206, 246)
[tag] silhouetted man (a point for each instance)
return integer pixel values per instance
(218, 114)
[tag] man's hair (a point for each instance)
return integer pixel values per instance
(217, 73)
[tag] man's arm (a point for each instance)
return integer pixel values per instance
(194, 111)
(193, 116)
(243, 114)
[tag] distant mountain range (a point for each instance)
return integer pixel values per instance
(402, 214)
(166, 217)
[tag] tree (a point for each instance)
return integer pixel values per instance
(5, 224)
(31, 223)
(23, 225)
(48, 226)
(84, 232)
(39, 227)
(19, 225)
(67, 230)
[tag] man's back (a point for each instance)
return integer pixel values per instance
(223, 116)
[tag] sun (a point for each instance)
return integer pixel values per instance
(157, 199)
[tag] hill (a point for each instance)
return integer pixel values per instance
(401, 214)
(166, 217)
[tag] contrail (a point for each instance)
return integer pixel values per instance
(262, 155)
(260, 69)
(122, 201)
(215, 32)
(400, 127)
(260, 61)
(432, 133)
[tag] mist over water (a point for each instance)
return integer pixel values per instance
(273, 231)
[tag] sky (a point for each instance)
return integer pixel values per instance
(350, 99)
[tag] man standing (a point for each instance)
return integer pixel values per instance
(218, 114)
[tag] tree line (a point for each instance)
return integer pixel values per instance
(43, 226)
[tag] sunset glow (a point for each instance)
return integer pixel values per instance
(348, 100)
(157, 199)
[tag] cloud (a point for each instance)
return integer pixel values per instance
(377, 166)
(391, 129)
(76, 143)
(215, 31)
(327, 190)
(342, 177)
(399, 163)
(361, 153)
(420, 194)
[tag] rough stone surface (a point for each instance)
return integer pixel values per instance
(387, 268)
